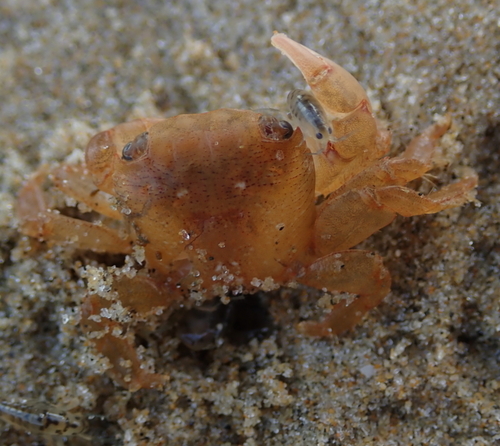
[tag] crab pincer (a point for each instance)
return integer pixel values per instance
(357, 138)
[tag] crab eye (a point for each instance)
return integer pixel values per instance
(287, 128)
(136, 148)
(274, 128)
(305, 108)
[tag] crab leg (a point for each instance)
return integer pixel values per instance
(373, 198)
(357, 272)
(75, 182)
(39, 221)
(347, 220)
(139, 298)
(413, 163)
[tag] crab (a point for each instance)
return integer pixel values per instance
(232, 202)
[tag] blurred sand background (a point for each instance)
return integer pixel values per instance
(422, 369)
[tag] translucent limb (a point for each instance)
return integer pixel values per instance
(357, 272)
(114, 338)
(39, 221)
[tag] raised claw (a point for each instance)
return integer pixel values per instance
(356, 139)
(337, 89)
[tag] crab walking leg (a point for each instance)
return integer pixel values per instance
(413, 163)
(358, 272)
(407, 202)
(347, 220)
(422, 147)
(39, 221)
(75, 182)
(140, 297)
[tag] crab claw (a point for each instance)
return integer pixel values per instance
(354, 137)
(337, 90)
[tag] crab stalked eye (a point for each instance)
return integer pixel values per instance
(274, 128)
(287, 129)
(309, 113)
(136, 148)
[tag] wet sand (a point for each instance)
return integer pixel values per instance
(422, 369)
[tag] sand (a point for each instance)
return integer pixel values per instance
(422, 369)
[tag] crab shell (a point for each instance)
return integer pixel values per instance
(192, 200)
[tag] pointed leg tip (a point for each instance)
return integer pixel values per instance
(440, 127)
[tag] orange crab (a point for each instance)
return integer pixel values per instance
(225, 203)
